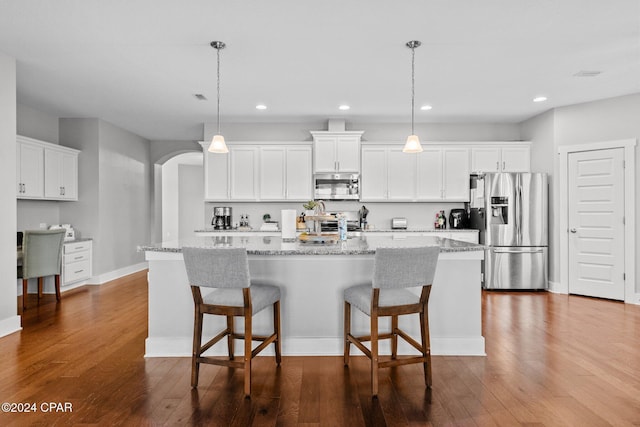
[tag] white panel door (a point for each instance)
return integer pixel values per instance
(596, 223)
(324, 154)
(299, 176)
(401, 173)
(272, 173)
(216, 175)
(53, 187)
(30, 169)
(429, 174)
(374, 174)
(485, 159)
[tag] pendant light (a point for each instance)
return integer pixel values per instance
(413, 142)
(217, 143)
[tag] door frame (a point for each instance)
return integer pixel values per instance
(631, 295)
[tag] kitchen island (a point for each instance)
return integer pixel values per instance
(312, 278)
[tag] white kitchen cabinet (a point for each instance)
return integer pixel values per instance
(46, 171)
(373, 186)
(29, 169)
(273, 171)
(336, 151)
(60, 174)
(504, 158)
(298, 174)
(243, 172)
(216, 175)
(401, 175)
(76, 261)
(443, 174)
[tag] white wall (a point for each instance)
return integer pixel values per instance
(190, 194)
(9, 319)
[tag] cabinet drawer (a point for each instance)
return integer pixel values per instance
(70, 248)
(76, 256)
(75, 271)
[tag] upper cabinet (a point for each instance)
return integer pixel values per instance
(46, 171)
(436, 174)
(503, 158)
(261, 172)
(336, 151)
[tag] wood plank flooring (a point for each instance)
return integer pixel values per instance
(552, 360)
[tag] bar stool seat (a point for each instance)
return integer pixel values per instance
(359, 296)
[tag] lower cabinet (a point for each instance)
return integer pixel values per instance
(76, 262)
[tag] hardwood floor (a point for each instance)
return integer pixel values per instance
(552, 360)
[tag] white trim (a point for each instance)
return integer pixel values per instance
(631, 295)
(116, 274)
(10, 325)
(558, 287)
(318, 346)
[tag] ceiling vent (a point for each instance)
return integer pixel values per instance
(200, 97)
(587, 73)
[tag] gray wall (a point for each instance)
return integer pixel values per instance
(115, 191)
(9, 320)
(373, 131)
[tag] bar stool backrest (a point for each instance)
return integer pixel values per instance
(217, 267)
(405, 267)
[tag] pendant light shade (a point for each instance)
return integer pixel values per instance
(217, 143)
(413, 142)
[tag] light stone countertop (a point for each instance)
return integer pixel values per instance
(274, 245)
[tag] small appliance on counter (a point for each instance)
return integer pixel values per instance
(458, 219)
(221, 218)
(398, 223)
(70, 233)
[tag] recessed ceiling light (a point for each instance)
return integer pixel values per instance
(587, 73)
(426, 107)
(344, 107)
(261, 107)
(539, 99)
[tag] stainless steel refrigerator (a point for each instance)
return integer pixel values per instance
(510, 211)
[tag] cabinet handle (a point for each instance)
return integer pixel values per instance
(79, 271)
(78, 257)
(497, 166)
(64, 191)
(504, 165)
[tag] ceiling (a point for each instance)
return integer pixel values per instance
(138, 64)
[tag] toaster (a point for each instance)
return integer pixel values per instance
(399, 223)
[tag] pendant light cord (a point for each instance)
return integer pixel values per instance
(218, 88)
(413, 85)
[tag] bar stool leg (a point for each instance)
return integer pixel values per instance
(426, 346)
(247, 353)
(25, 285)
(394, 337)
(374, 354)
(197, 342)
(347, 331)
(276, 330)
(230, 341)
(57, 287)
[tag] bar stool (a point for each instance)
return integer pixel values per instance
(227, 270)
(395, 269)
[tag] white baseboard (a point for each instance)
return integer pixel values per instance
(318, 346)
(116, 274)
(10, 325)
(558, 288)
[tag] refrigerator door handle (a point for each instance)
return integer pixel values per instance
(506, 251)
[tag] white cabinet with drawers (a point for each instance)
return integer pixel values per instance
(76, 261)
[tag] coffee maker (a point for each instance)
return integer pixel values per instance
(221, 218)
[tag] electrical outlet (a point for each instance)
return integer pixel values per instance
(43, 226)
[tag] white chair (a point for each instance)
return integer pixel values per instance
(227, 269)
(41, 257)
(395, 269)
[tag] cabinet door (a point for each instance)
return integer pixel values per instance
(348, 153)
(485, 159)
(30, 171)
(69, 176)
(516, 159)
(429, 174)
(244, 161)
(216, 176)
(401, 173)
(298, 175)
(324, 154)
(272, 173)
(53, 174)
(455, 174)
(374, 174)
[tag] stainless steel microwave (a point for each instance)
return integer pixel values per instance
(336, 186)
